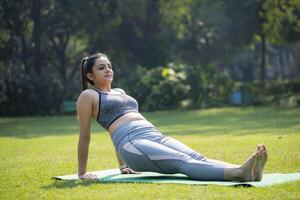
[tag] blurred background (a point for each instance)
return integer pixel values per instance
(168, 54)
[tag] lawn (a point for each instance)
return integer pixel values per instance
(34, 149)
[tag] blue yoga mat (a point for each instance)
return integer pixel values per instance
(113, 176)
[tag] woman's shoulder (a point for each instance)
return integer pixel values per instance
(88, 94)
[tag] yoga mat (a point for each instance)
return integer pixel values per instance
(114, 176)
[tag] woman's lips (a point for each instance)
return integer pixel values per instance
(109, 76)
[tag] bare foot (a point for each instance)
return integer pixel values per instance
(246, 170)
(247, 167)
(259, 166)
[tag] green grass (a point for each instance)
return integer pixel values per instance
(34, 149)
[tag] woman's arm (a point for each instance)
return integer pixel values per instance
(84, 111)
(120, 161)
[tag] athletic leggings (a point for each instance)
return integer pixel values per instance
(143, 148)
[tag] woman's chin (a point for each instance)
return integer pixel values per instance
(109, 79)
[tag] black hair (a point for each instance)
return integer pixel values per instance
(87, 64)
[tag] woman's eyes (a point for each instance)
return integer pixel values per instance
(103, 67)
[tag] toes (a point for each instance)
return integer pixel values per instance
(261, 146)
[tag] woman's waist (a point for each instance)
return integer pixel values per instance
(133, 130)
(126, 118)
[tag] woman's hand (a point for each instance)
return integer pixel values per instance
(88, 176)
(126, 170)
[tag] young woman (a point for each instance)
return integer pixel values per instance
(139, 145)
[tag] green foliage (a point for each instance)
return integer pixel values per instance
(281, 20)
(177, 86)
(48, 39)
(210, 88)
(161, 87)
(284, 86)
(24, 95)
(284, 93)
(174, 14)
(203, 32)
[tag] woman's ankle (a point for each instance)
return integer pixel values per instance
(233, 174)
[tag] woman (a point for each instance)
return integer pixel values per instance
(139, 145)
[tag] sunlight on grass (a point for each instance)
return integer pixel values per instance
(35, 149)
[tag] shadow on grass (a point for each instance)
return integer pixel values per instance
(62, 184)
(29, 127)
(250, 120)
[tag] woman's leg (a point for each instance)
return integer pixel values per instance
(146, 155)
(225, 164)
(179, 146)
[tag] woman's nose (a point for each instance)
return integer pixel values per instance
(107, 69)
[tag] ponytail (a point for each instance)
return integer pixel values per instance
(84, 85)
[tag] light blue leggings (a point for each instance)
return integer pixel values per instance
(143, 148)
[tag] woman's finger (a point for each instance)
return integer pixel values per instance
(133, 172)
(128, 171)
(125, 171)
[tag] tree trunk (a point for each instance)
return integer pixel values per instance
(263, 65)
(36, 16)
(25, 54)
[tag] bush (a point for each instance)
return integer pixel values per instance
(176, 86)
(286, 93)
(210, 88)
(23, 95)
(158, 88)
(283, 87)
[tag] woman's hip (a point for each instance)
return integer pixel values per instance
(135, 130)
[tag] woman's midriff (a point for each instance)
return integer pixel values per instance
(128, 117)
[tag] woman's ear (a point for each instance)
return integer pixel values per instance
(90, 76)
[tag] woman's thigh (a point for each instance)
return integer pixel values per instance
(172, 143)
(179, 146)
(147, 155)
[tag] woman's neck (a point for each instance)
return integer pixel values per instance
(104, 88)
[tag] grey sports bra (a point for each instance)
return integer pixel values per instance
(114, 105)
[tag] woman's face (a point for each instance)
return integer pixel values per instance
(102, 71)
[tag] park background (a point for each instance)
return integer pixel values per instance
(167, 54)
(221, 76)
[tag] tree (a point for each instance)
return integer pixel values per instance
(280, 24)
